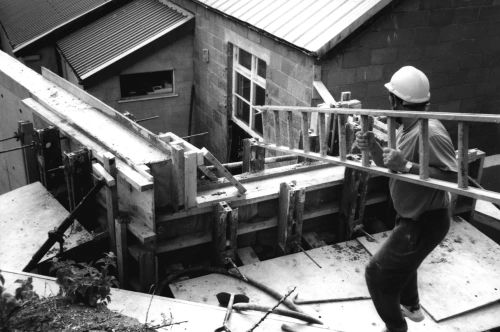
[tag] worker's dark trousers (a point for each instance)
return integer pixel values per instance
(391, 274)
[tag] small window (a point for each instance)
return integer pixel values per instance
(145, 84)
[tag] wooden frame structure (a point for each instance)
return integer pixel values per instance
(423, 178)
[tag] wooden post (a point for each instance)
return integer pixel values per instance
(247, 155)
(290, 217)
(259, 160)
(342, 137)
(277, 128)
(333, 123)
(147, 268)
(463, 155)
(111, 193)
(305, 132)
(25, 131)
(365, 155)
(178, 180)
(78, 173)
(79, 181)
(290, 129)
(253, 156)
(391, 132)
(323, 142)
(424, 148)
(190, 179)
(121, 250)
(225, 232)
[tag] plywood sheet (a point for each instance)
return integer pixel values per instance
(461, 274)
(196, 316)
(27, 214)
(341, 275)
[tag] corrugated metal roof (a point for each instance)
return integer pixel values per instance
(313, 25)
(25, 21)
(118, 34)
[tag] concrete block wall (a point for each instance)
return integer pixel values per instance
(289, 74)
(173, 111)
(455, 42)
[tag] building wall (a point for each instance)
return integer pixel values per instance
(173, 111)
(289, 74)
(456, 43)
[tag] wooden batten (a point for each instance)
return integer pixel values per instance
(277, 128)
(342, 121)
(365, 126)
(323, 136)
(463, 155)
(305, 132)
(391, 132)
(424, 148)
(291, 140)
(210, 157)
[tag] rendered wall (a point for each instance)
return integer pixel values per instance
(173, 110)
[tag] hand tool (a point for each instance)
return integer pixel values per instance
(226, 299)
(278, 311)
(360, 228)
(329, 300)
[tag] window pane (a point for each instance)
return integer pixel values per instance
(245, 59)
(141, 84)
(261, 68)
(260, 96)
(243, 86)
(258, 123)
(242, 110)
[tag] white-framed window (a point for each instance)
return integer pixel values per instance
(147, 84)
(249, 90)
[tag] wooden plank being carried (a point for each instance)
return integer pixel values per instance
(460, 275)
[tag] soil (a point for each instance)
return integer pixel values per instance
(58, 314)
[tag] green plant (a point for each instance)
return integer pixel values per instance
(82, 282)
(9, 303)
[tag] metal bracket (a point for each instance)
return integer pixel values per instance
(48, 155)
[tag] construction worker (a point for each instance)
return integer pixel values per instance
(423, 217)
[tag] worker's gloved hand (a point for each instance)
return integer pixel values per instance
(365, 140)
(393, 159)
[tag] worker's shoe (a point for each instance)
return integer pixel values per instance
(413, 313)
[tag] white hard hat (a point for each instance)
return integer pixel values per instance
(410, 84)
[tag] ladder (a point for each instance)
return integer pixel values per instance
(285, 114)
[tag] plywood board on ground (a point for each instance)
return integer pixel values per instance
(341, 275)
(196, 316)
(27, 214)
(461, 274)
